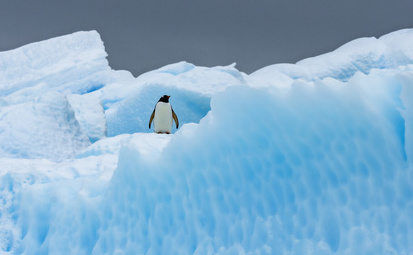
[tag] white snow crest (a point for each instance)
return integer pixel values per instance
(360, 55)
(60, 63)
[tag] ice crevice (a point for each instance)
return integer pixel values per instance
(406, 110)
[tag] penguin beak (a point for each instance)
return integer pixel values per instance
(169, 97)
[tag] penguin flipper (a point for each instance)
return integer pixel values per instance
(175, 118)
(151, 119)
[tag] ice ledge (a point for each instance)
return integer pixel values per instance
(52, 62)
(360, 55)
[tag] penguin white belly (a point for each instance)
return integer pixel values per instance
(163, 118)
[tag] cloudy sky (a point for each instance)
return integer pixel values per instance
(143, 35)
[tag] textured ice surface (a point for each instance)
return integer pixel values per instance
(361, 55)
(66, 62)
(295, 176)
(90, 114)
(44, 128)
(312, 158)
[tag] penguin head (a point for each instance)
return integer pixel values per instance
(164, 98)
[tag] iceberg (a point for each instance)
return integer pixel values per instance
(306, 158)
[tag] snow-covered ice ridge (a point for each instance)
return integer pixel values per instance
(310, 158)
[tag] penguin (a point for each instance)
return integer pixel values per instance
(162, 116)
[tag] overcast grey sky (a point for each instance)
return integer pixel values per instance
(143, 35)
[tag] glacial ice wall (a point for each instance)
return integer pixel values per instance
(36, 118)
(318, 170)
(312, 158)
